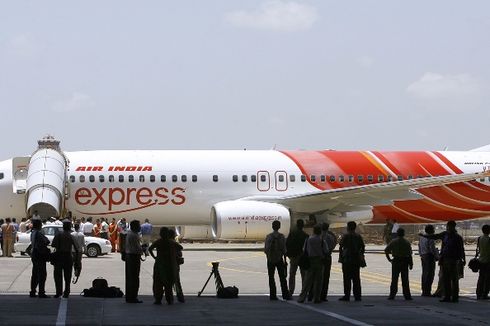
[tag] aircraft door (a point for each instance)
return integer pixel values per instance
(263, 181)
(281, 178)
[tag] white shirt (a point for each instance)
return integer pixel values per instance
(105, 227)
(88, 227)
(395, 228)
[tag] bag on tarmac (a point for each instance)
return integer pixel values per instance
(228, 292)
(101, 289)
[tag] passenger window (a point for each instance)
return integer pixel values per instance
(194, 178)
(381, 178)
(312, 178)
(262, 178)
(360, 178)
(253, 178)
(235, 178)
(390, 178)
(72, 178)
(183, 178)
(400, 178)
(101, 178)
(370, 178)
(131, 178)
(281, 178)
(142, 178)
(111, 178)
(332, 178)
(121, 178)
(410, 177)
(152, 178)
(174, 178)
(244, 178)
(215, 178)
(303, 178)
(292, 178)
(91, 178)
(163, 178)
(341, 178)
(351, 178)
(322, 178)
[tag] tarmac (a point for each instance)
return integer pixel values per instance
(240, 265)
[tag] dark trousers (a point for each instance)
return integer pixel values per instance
(162, 284)
(63, 269)
(352, 279)
(483, 285)
(327, 266)
(133, 266)
(38, 277)
(428, 273)
(178, 286)
(281, 270)
(450, 279)
(400, 266)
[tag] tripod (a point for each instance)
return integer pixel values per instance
(218, 280)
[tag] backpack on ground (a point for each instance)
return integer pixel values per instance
(227, 292)
(101, 289)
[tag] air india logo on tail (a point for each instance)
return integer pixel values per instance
(119, 200)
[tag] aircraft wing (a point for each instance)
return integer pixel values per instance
(356, 198)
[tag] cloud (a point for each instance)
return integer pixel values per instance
(22, 45)
(433, 86)
(284, 16)
(76, 102)
(365, 61)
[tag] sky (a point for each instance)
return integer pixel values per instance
(255, 74)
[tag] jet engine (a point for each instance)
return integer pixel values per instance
(250, 220)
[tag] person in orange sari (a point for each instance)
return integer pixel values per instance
(113, 234)
(97, 228)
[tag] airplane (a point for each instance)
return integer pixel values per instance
(238, 193)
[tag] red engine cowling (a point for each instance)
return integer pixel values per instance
(251, 220)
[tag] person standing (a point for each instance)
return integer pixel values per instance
(483, 252)
(351, 255)
(331, 241)
(97, 228)
(39, 257)
(316, 248)
(275, 249)
(104, 229)
(387, 231)
(8, 237)
(79, 241)
(88, 227)
(146, 230)
(394, 229)
(133, 262)
(23, 225)
(401, 249)
(180, 260)
(122, 229)
(428, 255)
(64, 244)
(451, 258)
(165, 267)
(113, 234)
(294, 249)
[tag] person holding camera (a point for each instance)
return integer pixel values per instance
(132, 259)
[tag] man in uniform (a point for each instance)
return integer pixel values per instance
(8, 232)
(401, 250)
